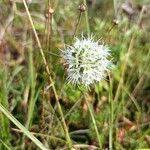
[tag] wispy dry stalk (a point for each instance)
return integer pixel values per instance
(49, 17)
(131, 44)
(124, 69)
(82, 8)
(50, 78)
(77, 25)
(142, 78)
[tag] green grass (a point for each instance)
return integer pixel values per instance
(4, 122)
(39, 110)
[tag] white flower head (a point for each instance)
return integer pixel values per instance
(87, 61)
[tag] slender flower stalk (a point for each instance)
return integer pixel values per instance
(82, 8)
(79, 19)
(94, 123)
(111, 114)
(87, 19)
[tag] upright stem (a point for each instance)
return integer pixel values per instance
(87, 19)
(111, 115)
(77, 25)
(124, 67)
(131, 44)
(94, 123)
(32, 87)
(50, 78)
(50, 44)
(4, 122)
(32, 100)
(49, 29)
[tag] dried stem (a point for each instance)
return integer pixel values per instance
(127, 57)
(77, 25)
(50, 78)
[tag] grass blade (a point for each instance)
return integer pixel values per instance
(21, 127)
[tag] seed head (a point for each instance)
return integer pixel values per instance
(82, 7)
(87, 61)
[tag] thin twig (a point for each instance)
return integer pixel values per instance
(85, 146)
(77, 25)
(40, 135)
(111, 114)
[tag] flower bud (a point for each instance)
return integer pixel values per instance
(82, 7)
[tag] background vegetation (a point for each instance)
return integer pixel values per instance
(51, 114)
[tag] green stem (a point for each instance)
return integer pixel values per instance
(111, 115)
(32, 86)
(87, 19)
(4, 122)
(94, 123)
(5, 145)
(21, 127)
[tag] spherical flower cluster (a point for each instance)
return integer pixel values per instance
(87, 61)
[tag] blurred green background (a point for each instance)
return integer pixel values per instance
(123, 25)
